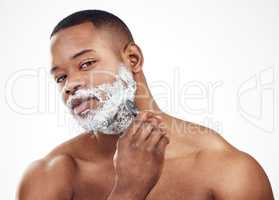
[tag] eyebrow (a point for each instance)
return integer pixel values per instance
(81, 53)
(53, 69)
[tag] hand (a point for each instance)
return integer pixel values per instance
(139, 157)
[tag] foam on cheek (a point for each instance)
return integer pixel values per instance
(113, 115)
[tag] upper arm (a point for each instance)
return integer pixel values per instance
(242, 178)
(48, 179)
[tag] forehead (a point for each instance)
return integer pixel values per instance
(70, 40)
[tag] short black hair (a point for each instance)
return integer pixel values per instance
(98, 18)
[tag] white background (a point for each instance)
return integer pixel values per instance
(209, 62)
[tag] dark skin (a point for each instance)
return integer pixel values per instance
(158, 156)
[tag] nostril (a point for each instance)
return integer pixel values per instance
(67, 91)
(72, 90)
(76, 88)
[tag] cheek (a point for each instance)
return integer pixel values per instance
(98, 77)
(62, 93)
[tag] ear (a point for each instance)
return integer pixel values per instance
(133, 57)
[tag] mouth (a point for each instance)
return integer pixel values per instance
(81, 106)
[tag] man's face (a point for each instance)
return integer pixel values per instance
(93, 81)
(81, 57)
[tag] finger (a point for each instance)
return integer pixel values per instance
(162, 144)
(154, 138)
(154, 119)
(135, 125)
(145, 130)
(158, 117)
(143, 133)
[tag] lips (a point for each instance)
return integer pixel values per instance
(80, 106)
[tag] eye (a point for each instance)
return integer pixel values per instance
(87, 64)
(60, 79)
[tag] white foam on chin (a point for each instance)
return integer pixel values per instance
(112, 115)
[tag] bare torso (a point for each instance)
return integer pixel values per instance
(187, 171)
(180, 179)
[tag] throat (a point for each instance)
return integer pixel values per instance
(106, 144)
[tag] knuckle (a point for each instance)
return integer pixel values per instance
(135, 145)
(149, 149)
(145, 124)
(163, 134)
(154, 122)
(133, 129)
(160, 132)
(147, 127)
(144, 136)
(139, 117)
(153, 136)
(144, 115)
(166, 139)
(162, 125)
(157, 132)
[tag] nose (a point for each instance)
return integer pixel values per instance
(72, 87)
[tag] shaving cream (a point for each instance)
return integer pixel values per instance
(115, 110)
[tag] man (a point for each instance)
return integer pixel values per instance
(131, 149)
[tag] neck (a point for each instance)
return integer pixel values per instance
(144, 99)
(144, 102)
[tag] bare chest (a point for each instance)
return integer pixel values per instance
(175, 183)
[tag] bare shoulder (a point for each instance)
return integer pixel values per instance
(233, 174)
(238, 176)
(51, 177)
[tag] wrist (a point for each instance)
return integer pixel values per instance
(122, 195)
(122, 191)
